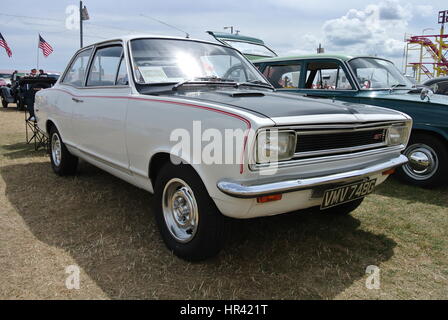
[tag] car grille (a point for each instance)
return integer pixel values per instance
(309, 143)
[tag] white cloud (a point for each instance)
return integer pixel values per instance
(378, 29)
(424, 10)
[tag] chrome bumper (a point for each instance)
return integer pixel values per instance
(239, 190)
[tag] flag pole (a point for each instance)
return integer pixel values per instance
(38, 37)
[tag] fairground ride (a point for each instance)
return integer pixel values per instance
(432, 51)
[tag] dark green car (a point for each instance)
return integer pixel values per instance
(373, 81)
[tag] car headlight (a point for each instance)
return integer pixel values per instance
(398, 134)
(274, 145)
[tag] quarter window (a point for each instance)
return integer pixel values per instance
(122, 75)
(76, 73)
(103, 71)
(326, 76)
(283, 76)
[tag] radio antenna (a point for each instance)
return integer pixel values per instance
(167, 24)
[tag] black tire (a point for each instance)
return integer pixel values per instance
(436, 150)
(344, 209)
(4, 103)
(20, 105)
(67, 163)
(208, 237)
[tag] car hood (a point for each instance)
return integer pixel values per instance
(404, 95)
(286, 108)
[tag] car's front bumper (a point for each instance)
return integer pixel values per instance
(247, 190)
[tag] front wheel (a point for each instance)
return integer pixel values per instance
(62, 161)
(188, 220)
(428, 161)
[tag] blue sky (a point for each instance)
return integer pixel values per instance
(288, 26)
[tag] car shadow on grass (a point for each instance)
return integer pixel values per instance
(21, 150)
(106, 226)
(393, 188)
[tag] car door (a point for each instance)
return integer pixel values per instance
(73, 78)
(99, 113)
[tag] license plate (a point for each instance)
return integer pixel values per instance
(347, 193)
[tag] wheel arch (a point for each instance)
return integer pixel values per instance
(159, 159)
(431, 132)
(48, 125)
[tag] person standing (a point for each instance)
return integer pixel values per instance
(29, 96)
(14, 77)
(42, 73)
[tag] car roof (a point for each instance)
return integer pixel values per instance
(343, 57)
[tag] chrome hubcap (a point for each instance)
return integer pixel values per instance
(423, 162)
(56, 152)
(180, 210)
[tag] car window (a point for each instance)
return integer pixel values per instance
(326, 76)
(103, 70)
(77, 71)
(440, 87)
(161, 61)
(122, 75)
(226, 67)
(283, 76)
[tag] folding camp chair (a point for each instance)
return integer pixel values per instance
(34, 135)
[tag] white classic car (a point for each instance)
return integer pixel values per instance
(134, 106)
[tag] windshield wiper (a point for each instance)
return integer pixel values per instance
(254, 83)
(202, 80)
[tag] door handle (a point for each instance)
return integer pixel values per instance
(77, 100)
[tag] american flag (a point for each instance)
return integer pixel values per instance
(45, 46)
(5, 45)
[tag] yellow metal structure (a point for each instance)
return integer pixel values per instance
(432, 51)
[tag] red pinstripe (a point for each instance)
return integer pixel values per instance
(247, 122)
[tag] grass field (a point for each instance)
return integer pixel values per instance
(105, 227)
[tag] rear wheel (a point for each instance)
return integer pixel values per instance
(62, 161)
(344, 209)
(428, 161)
(188, 220)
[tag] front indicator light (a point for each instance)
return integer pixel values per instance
(389, 172)
(274, 197)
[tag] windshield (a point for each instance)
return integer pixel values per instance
(159, 61)
(373, 73)
(250, 48)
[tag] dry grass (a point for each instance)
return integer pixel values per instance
(104, 226)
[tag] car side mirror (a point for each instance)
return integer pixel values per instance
(426, 93)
